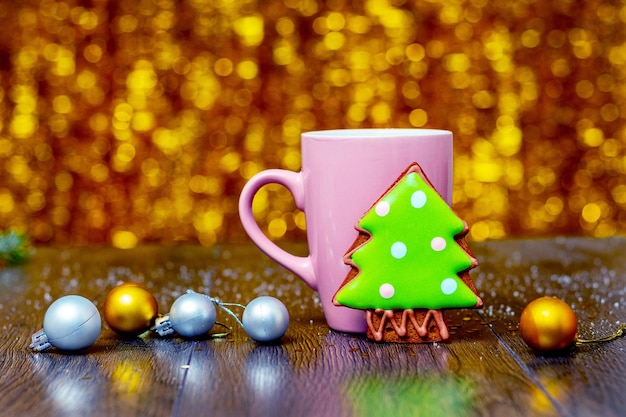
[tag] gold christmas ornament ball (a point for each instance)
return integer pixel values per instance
(130, 309)
(548, 324)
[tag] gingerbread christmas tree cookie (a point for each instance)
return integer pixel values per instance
(409, 263)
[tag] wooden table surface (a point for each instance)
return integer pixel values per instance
(484, 370)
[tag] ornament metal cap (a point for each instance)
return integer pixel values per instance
(163, 325)
(40, 341)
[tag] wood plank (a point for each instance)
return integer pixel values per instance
(588, 274)
(484, 370)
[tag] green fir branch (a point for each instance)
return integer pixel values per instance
(14, 248)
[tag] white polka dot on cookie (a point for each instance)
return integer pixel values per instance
(418, 199)
(448, 286)
(387, 291)
(398, 250)
(382, 208)
(438, 244)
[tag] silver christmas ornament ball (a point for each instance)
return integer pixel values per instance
(265, 319)
(72, 323)
(192, 315)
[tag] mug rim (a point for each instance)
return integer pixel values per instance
(383, 133)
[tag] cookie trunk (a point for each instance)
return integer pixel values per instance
(406, 326)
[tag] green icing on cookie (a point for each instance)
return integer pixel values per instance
(412, 259)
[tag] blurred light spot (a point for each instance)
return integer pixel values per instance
(277, 228)
(593, 137)
(418, 117)
(62, 104)
(591, 213)
(247, 69)
(249, 29)
(124, 239)
(93, 53)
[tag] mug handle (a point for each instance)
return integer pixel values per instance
(299, 265)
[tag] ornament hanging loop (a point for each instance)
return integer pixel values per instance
(618, 333)
(223, 306)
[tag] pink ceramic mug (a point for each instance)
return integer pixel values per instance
(343, 173)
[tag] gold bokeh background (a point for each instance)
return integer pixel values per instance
(127, 122)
